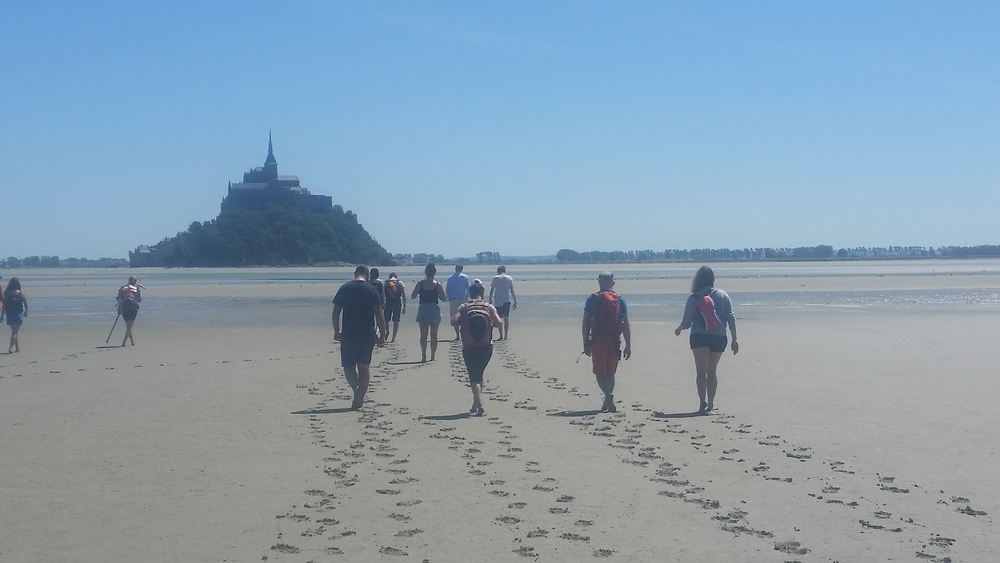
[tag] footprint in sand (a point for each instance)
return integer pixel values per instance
(791, 547)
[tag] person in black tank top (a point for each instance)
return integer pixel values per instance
(430, 293)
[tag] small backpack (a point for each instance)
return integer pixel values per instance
(128, 302)
(476, 327)
(392, 289)
(706, 306)
(14, 305)
(607, 319)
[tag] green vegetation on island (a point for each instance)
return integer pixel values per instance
(274, 235)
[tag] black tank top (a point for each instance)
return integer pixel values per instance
(428, 295)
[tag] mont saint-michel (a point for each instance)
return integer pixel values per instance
(268, 219)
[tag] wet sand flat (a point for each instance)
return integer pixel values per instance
(843, 434)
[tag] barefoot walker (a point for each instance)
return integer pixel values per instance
(475, 321)
(605, 323)
(429, 291)
(707, 313)
(15, 309)
(128, 298)
(362, 308)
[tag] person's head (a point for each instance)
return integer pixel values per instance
(373, 275)
(361, 271)
(606, 280)
(392, 275)
(13, 285)
(501, 269)
(459, 267)
(703, 279)
(477, 291)
(430, 270)
(132, 280)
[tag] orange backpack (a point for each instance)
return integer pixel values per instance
(607, 320)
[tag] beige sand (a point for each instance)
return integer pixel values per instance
(840, 435)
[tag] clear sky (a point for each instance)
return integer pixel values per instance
(520, 127)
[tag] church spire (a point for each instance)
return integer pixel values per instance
(270, 151)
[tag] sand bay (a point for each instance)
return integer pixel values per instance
(854, 425)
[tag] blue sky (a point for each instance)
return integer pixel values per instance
(517, 127)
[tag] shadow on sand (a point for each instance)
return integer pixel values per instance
(668, 415)
(576, 413)
(341, 410)
(447, 416)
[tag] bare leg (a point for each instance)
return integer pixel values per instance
(506, 327)
(13, 339)
(607, 384)
(424, 327)
(434, 340)
(711, 379)
(128, 333)
(351, 373)
(395, 329)
(477, 397)
(364, 376)
(702, 358)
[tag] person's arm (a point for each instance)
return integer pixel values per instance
(513, 304)
(627, 336)
(336, 321)
(495, 316)
(383, 329)
(586, 332)
(441, 294)
(24, 299)
(456, 319)
(138, 295)
(688, 319)
(416, 290)
(731, 321)
(402, 294)
(493, 288)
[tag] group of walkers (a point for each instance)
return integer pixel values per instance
(14, 309)
(708, 313)
(364, 307)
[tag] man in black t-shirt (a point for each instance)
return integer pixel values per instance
(362, 308)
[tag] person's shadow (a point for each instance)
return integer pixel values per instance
(576, 413)
(447, 416)
(671, 415)
(340, 410)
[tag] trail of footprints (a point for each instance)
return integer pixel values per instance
(766, 451)
(635, 433)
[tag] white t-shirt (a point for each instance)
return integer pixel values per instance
(501, 287)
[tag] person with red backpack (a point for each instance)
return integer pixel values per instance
(475, 320)
(605, 325)
(129, 296)
(708, 312)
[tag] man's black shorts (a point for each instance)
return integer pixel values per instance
(393, 310)
(504, 309)
(356, 350)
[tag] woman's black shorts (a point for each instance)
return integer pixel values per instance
(716, 343)
(476, 360)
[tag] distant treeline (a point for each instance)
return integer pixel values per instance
(821, 252)
(56, 262)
